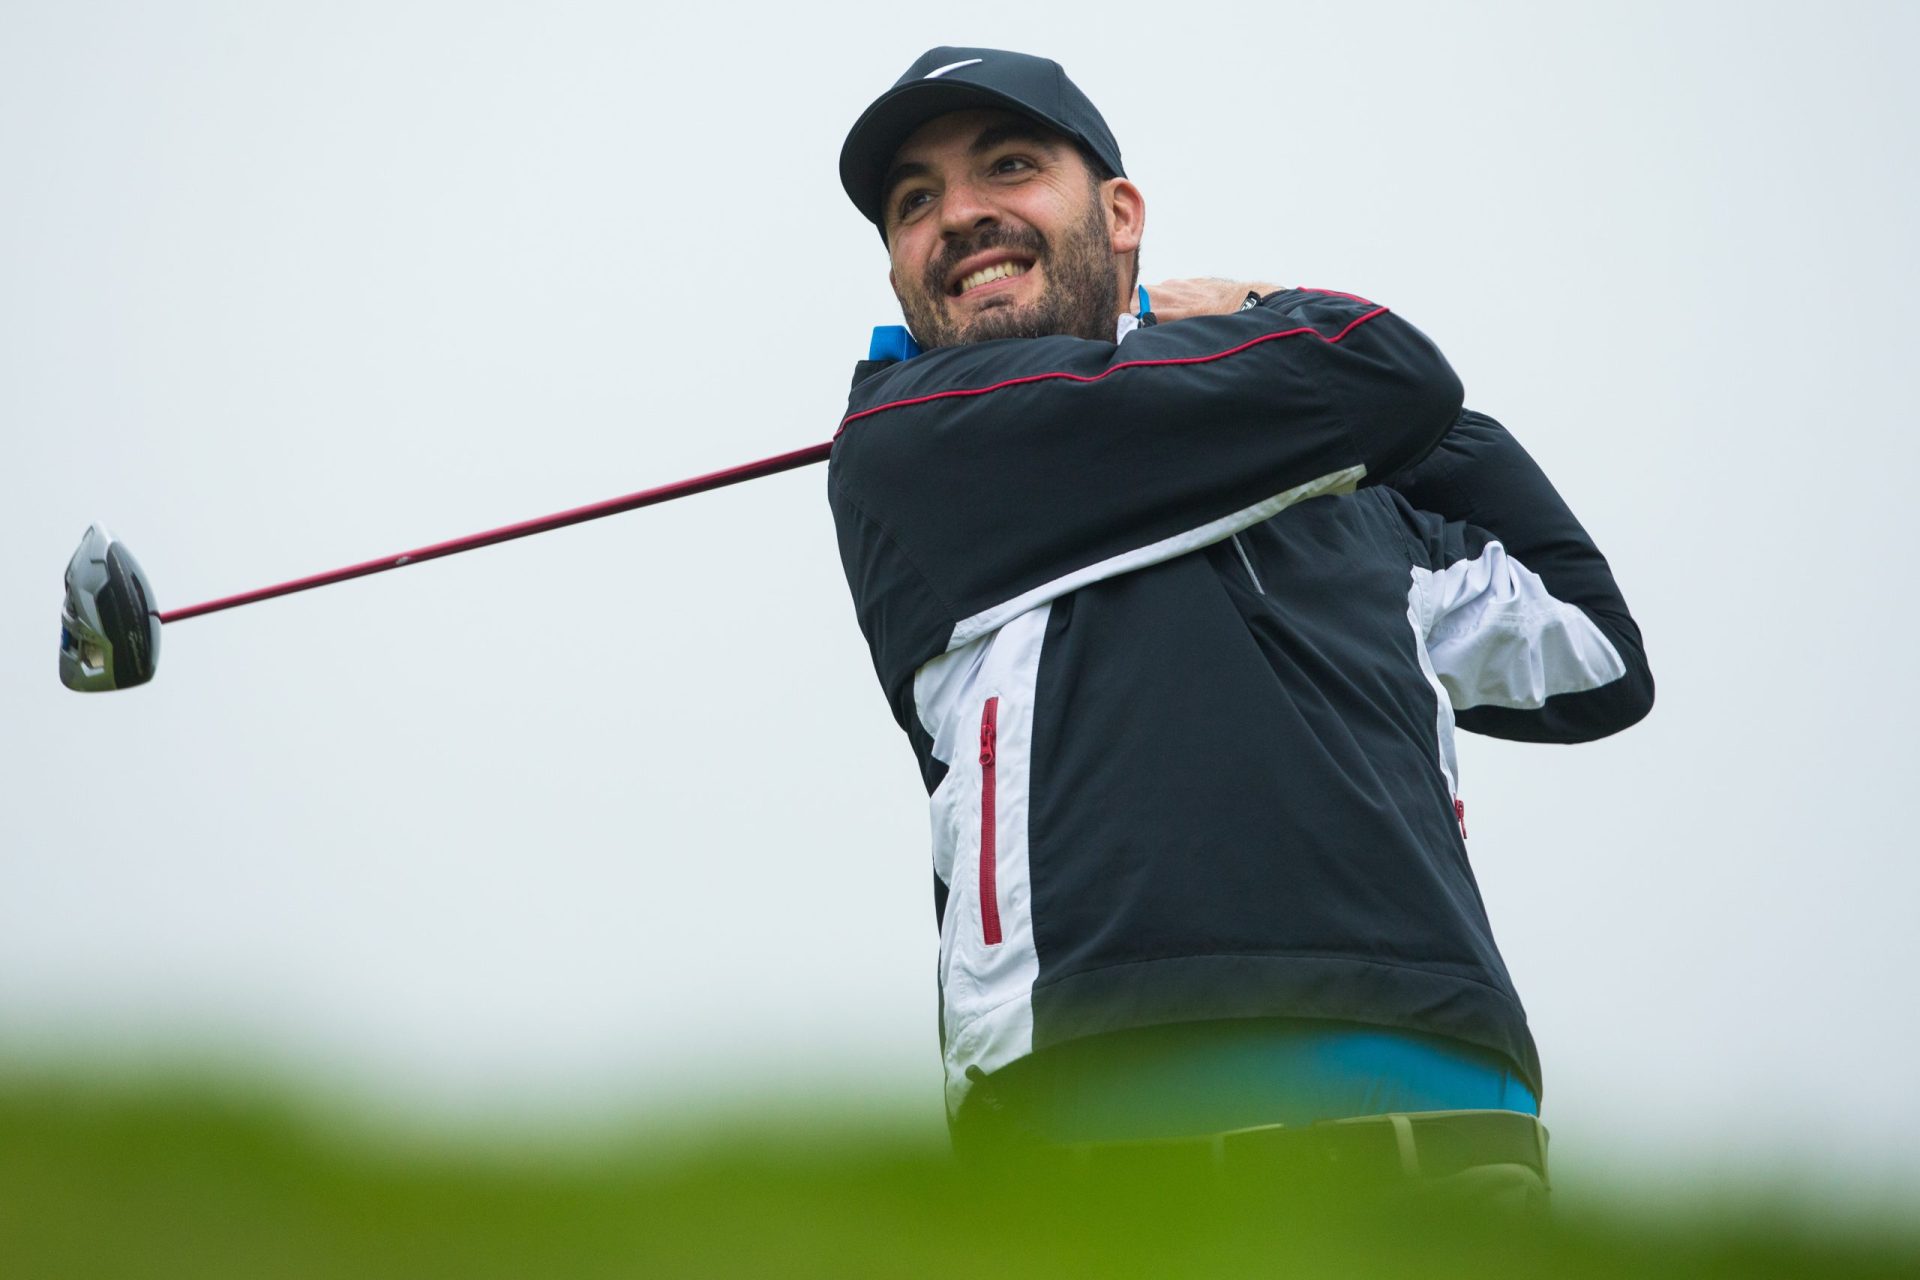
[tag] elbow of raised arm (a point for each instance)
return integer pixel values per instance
(1628, 699)
(1444, 398)
(1613, 707)
(1617, 707)
(1409, 411)
(1635, 699)
(1622, 702)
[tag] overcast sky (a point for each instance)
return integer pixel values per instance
(620, 811)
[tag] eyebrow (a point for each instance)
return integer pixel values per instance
(994, 135)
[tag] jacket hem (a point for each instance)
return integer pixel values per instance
(1148, 993)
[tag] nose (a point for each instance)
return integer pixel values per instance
(965, 207)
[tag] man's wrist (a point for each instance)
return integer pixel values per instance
(1205, 296)
(1239, 295)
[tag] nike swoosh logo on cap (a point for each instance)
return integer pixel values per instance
(951, 66)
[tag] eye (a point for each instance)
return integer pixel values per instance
(912, 202)
(1011, 164)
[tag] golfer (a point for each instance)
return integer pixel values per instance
(1179, 597)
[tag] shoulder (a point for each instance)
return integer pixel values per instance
(973, 370)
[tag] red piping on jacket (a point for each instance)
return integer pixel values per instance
(1111, 369)
(989, 825)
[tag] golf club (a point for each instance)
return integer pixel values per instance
(110, 625)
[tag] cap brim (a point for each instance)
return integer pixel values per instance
(868, 152)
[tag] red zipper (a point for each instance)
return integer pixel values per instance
(989, 892)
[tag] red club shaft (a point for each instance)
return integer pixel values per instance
(507, 533)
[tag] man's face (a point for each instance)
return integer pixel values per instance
(996, 229)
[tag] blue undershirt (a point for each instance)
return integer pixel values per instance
(1211, 1077)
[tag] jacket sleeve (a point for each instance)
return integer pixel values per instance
(1526, 627)
(973, 483)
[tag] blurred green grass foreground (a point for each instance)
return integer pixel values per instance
(173, 1180)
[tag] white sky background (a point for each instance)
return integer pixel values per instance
(619, 812)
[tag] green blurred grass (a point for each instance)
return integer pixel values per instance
(198, 1180)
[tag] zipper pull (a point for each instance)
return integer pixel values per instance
(986, 742)
(1460, 815)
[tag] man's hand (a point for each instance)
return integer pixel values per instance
(1202, 296)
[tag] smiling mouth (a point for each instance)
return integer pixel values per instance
(987, 275)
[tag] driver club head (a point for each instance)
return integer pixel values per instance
(109, 624)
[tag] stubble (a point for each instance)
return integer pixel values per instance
(1083, 281)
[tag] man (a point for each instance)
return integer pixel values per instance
(1181, 675)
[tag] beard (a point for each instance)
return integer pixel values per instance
(1083, 283)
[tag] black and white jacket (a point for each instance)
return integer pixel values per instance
(1183, 681)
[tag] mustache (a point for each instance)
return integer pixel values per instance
(1021, 239)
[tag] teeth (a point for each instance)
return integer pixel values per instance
(997, 271)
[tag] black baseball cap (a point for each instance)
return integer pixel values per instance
(954, 79)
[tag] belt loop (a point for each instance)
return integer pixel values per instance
(1403, 1136)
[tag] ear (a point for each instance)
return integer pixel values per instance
(1126, 214)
